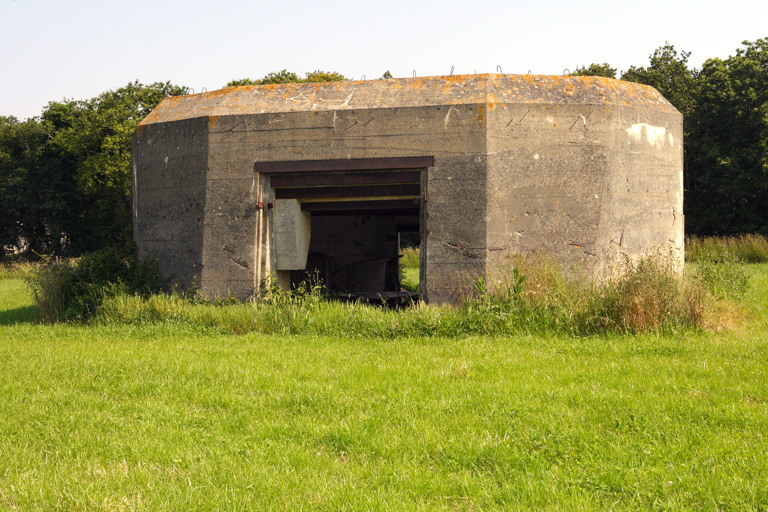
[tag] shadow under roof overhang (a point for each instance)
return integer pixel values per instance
(388, 186)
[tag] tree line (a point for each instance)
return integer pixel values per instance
(65, 180)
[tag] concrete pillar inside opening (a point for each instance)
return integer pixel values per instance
(292, 235)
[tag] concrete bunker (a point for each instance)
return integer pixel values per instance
(236, 186)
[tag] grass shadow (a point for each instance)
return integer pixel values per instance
(23, 314)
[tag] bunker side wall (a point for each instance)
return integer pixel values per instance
(546, 181)
(169, 163)
(643, 209)
(455, 206)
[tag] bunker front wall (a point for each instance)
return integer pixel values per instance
(455, 205)
(582, 183)
(585, 169)
(169, 165)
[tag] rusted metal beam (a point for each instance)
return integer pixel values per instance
(368, 191)
(344, 178)
(388, 206)
(345, 164)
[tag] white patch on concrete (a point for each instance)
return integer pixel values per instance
(550, 119)
(536, 156)
(448, 116)
(656, 136)
(298, 99)
(346, 102)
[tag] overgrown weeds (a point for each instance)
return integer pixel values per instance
(533, 296)
(409, 269)
(410, 257)
(17, 269)
(645, 296)
(749, 248)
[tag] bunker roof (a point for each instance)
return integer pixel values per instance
(409, 92)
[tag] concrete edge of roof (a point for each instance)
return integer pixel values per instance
(409, 92)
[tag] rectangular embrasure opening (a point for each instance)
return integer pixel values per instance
(364, 228)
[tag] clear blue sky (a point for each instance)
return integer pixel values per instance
(78, 48)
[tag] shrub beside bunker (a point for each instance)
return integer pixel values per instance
(73, 290)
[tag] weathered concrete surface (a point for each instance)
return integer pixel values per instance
(579, 167)
(169, 171)
(585, 181)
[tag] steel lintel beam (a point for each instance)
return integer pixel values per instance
(344, 178)
(357, 191)
(391, 206)
(345, 164)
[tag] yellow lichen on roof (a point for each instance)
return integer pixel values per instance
(418, 91)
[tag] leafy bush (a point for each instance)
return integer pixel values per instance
(73, 290)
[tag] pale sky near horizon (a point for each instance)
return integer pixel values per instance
(76, 49)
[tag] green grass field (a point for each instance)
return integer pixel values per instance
(169, 416)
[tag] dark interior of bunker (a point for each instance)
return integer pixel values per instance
(359, 214)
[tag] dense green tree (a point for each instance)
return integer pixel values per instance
(324, 76)
(727, 148)
(594, 69)
(285, 76)
(38, 195)
(280, 77)
(65, 178)
(241, 81)
(21, 189)
(91, 141)
(669, 74)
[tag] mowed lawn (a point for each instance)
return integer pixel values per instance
(169, 417)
